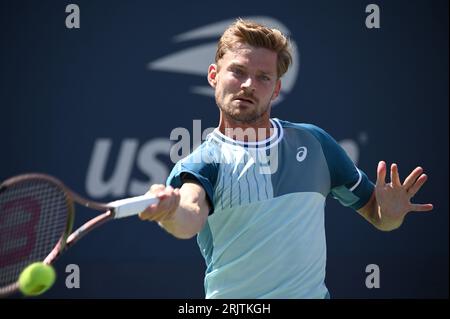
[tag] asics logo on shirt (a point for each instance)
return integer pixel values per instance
(301, 153)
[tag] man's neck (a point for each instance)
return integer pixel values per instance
(259, 130)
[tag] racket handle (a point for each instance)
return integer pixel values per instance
(133, 205)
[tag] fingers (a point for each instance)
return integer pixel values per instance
(160, 191)
(410, 182)
(421, 207)
(169, 200)
(411, 179)
(156, 188)
(417, 185)
(165, 192)
(381, 174)
(395, 178)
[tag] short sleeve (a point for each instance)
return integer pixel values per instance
(199, 165)
(349, 185)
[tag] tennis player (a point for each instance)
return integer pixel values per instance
(255, 190)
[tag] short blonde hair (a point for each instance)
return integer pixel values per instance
(259, 36)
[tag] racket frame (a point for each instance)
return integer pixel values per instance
(67, 238)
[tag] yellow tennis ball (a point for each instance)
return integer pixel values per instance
(36, 279)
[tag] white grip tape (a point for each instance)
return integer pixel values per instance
(132, 206)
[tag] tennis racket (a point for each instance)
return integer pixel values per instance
(36, 220)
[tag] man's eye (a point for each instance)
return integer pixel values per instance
(264, 78)
(237, 71)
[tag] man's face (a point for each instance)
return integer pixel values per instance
(245, 82)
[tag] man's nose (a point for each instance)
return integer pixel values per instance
(248, 84)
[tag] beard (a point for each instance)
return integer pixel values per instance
(244, 115)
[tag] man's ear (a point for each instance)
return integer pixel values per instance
(212, 74)
(277, 90)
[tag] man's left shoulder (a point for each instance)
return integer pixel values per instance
(308, 127)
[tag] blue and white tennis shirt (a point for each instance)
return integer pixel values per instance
(265, 234)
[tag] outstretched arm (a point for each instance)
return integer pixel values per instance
(390, 202)
(181, 212)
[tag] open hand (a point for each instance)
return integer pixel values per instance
(394, 198)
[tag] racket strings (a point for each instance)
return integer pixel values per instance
(33, 216)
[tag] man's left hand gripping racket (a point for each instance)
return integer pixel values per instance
(36, 219)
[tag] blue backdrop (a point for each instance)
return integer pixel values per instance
(95, 107)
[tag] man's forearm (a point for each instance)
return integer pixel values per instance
(189, 217)
(184, 223)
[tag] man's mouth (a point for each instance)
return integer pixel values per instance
(245, 99)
